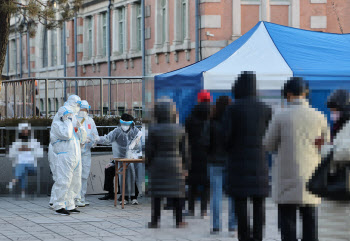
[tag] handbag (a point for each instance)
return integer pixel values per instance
(331, 185)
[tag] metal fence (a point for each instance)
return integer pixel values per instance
(23, 94)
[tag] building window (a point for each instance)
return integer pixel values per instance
(183, 18)
(13, 55)
(138, 112)
(121, 110)
(121, 22)
(89, 32)
(24, 43)
(45, 49)
(62, 46)
(53, 47)
(104, 34)
(164, 20)
(139, 26)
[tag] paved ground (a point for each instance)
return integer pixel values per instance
(33, 220)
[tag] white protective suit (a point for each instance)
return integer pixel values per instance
(120, 141)
(73, 104)
(65, 160)
(92, 137)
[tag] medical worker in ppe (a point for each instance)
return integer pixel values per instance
(92, 138)
(126, 143)
(73, 103)
(65, 160)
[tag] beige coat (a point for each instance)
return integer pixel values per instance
(292, 133)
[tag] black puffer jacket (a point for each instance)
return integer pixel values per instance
(246, 121)
(166, 153)
(195, 125)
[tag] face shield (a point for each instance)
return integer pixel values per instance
(84, 109)
(125, 125)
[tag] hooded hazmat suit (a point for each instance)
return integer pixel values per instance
(73, 104)
(92, 137)
(65, 159)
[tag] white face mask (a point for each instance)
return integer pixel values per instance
(125, 127)
(82, 114)
(335, 115)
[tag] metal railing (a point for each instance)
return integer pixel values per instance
(30, 87)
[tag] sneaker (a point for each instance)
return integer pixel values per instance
(125, 202)
(107, 197)
(74, 211)
(50, 205)
(86, 203)
(79, 203)
(62, 212)
(134, 202)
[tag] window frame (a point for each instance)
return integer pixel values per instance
(104, 33)
(53, 49)
(139, 26)
(45, 51)
(122, 30)
(90, 36)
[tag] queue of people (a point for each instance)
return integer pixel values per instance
(225, 147)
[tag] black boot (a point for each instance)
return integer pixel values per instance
(108, 196)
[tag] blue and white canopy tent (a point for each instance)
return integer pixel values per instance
(275, 53)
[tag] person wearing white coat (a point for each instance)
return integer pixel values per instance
(92, 137)
(65, 155)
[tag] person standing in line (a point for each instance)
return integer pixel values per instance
(293, 133)
(198, 179)
(246, 120)
(217, 162)
(333, 212)
(92, 138)
(167, 159)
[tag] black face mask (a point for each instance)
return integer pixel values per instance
(23, 137)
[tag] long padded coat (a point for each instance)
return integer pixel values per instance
(166, 154)
(246, 121)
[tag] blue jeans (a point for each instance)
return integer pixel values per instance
(22, 171)
(216, 184)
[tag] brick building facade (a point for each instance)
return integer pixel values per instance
(169, 38)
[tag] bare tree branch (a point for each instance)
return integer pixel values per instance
(338, 19)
